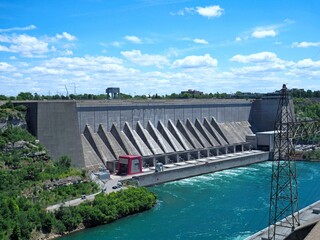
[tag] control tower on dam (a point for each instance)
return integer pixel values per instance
(96, 133)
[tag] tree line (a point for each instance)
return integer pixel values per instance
(296, 93)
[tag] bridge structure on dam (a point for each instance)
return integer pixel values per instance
(96, 133)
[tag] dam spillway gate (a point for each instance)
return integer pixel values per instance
(168, 144)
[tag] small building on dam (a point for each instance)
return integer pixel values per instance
(95, 133)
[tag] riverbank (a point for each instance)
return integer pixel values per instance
(102, 210)
(52, 236)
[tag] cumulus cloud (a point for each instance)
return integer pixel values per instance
(66, 36)
(100, 63)
(209, 11)
(261, 65)
(265, 31)
(30, 46)
(25, 45)
(138, 58)
(6, 67)
(133, 39)
(308, 63)
(200, 41)
(256, 57)
(262, 33)
(205, 61)
(30, 27)
(305, 69)
(305, 44)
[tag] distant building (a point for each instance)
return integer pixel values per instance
(113, 93)
(190, 91)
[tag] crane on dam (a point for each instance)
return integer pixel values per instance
(283, 210)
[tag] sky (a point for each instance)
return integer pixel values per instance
(158, 47)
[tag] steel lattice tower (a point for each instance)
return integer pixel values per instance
(284, 192)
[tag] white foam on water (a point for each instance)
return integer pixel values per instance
(241, 236)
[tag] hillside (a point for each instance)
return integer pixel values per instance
(31, 180)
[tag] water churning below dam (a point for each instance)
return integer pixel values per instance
(231, 204)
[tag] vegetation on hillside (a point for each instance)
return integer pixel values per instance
(25, 167)
(9, 112)
(312, 155)
(306, 108)
(31, 181)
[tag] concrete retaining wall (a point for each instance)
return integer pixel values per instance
(56, 125)
(200, 168)
(263, 113)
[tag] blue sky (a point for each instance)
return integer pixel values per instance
(153, 46)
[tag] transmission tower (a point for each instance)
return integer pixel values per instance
(284, 192)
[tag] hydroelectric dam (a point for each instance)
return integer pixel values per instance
(95, 133)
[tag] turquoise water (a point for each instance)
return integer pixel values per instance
(230, 204)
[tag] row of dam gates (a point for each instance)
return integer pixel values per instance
(96, 133)
(167, 144)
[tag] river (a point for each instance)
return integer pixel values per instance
(231, 204)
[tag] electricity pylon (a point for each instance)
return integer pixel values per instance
(284, 192)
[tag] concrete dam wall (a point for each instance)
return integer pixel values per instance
(95, 133)
(118, 112)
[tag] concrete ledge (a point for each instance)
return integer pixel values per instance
(199, 167)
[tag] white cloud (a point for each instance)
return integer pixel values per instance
(305, 69)
(265, 31)
(100, 63)
(47, 71)
(25, 45)
(4, 49)
(6, 67)
(238, 39)
(116, 44)
(184, 11)
(30, 46)
(66, 36)
(262, 33)
(138, 58)
(200, 41)
(306, 44)
(210, 11)
(30, 27)
(258, 69)
(133, 39)
(67, 52)
(256, 57)
(308, 63)
(205, 61)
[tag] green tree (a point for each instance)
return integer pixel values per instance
(16, 233)
(25, 96)
(47, 222)
(70, 217)
(64, 163)
(92, 216)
